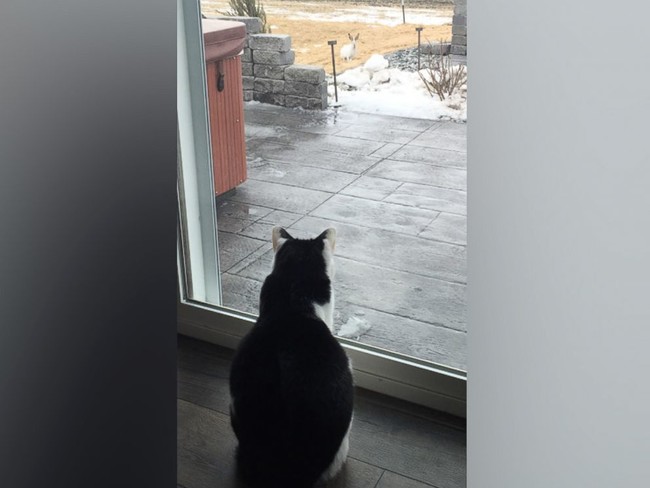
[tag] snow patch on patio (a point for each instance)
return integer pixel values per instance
(354, 328)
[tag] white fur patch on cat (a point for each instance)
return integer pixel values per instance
(355, 327)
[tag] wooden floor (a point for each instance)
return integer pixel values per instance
(393, 444)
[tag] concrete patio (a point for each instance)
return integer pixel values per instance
(394, 188)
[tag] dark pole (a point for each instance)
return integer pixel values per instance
(403, 13)
(336, 92)
(419, 29)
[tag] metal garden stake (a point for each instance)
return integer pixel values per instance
(419, 29)
(403, 14)
(336, 92)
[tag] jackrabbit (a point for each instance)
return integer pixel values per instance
(348, 51)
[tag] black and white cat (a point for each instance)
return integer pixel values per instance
(290, 382)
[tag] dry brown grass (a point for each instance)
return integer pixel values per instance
(309, 40)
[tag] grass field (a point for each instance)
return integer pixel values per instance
(312, 24)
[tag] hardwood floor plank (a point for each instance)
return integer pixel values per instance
(393, 480)
(206, 446)
(416, 446)
(407, 408)
(203, 390)
(407, 445)
(355, 474)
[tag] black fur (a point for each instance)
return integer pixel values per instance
(290, 383)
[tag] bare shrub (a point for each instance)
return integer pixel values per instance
(249, 8)
(441, 77)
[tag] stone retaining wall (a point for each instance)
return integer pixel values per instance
(459, 28)
(270, 75)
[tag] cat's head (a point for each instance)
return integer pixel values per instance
(313, 255)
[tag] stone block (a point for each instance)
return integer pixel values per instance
(264, 85)
(459, 30)
(460, 7)
(253, 24)
(248, 95)
(247, 69)
(262, 56)
(269, 71)
(247, 55)
(459, 50)
(270, 42)
(248, 82)
(459, 40)
(306, 103)
(459, 19)
(304, 73)
(272, 98)
(302, 89)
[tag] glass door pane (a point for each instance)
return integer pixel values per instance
(392, 183)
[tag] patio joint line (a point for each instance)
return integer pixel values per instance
(367, 226)
(432, 324)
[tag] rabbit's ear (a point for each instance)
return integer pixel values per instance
(356, 38)
(350, 36)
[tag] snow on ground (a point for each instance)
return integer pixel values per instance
(390, 16)
(392, 91)
(354, 328)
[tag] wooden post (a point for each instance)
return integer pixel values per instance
(418, 29)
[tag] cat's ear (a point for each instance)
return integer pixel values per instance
(279, 236)
(330, 237)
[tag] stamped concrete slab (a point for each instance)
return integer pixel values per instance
(382, 134)
(279, 217)
(251, 258)
(387, 150)
(391, 250)
(324, 142)
(279, 197)
(450, 136)
(426, 174)
(379, 215)
(371, 188)
(410, 286)
(338, 144)
(258, 230)
(447, 228)
(240, 293)
(348, 163)
(236, 210)
(402, 294)
(234, 217)
(380, 122)
(259, 269)
(261, 131)
(417, 339)
(317, 122)
(233, 248)
(305, 177)
(439, 157)
(431, 197)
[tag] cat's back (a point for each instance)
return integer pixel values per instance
(290, 381)
(286, 353)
